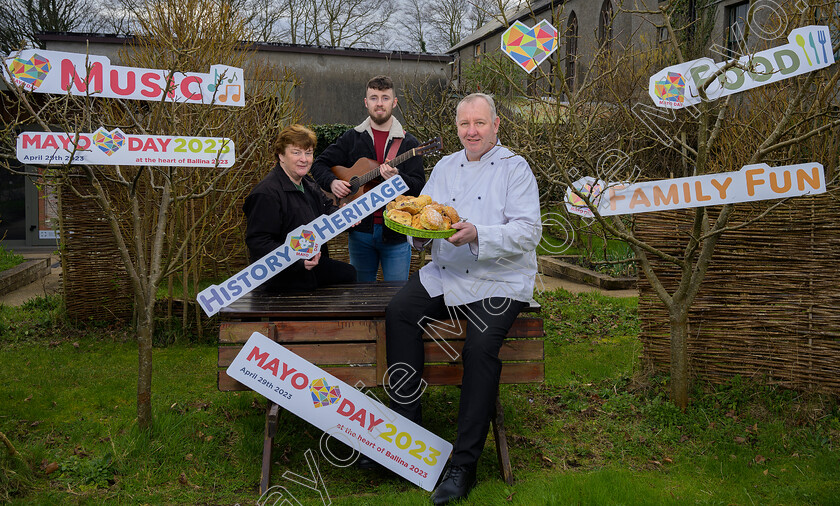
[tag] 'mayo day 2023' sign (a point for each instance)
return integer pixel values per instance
(751, 183)
(340, 410)
(809, 48)
(117, 148)
(301, 243)
(58, 72)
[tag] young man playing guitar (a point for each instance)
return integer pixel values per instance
(379, 137)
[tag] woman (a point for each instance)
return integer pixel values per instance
(286, 199)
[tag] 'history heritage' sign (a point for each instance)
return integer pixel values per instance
(301, 243)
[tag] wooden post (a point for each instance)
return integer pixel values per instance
(501, 442)
(271, 415)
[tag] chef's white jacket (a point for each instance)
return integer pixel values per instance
(498, 194)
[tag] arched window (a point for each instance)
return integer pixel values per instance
(571, 50)
(605, 25)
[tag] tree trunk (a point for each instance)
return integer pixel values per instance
(145, 330)
(679, 356)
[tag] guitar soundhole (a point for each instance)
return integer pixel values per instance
(354, 184)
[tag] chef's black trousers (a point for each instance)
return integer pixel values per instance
(488, 321)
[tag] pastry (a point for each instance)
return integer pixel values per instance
(411, 206)
(415, 221)
(451, 213)
(423, 200)
(431, 219)
(400, 217)
(437, 207)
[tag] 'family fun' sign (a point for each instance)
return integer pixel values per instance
(117, 148)
(58, 72)
(809, 48)
(300, 243)
(341, 411)
(751, 183)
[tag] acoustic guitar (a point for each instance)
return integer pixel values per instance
(363, 174)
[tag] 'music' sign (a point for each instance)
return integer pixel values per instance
(57, 72)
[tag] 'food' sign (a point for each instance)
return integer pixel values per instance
(809, 48)
(57, 72)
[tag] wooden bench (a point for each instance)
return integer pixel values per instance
(342, 330)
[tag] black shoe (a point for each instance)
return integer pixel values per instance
(456, 484)
(366, 463)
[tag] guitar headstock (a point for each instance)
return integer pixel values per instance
(430, 146)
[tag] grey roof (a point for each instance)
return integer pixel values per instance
(259, 46)
(535, 6)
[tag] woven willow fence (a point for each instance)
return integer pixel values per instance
(769, 306)
(96, 285)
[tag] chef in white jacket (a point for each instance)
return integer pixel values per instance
(484, 274)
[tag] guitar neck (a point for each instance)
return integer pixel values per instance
(373, 174)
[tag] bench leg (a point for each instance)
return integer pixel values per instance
(271, 414)
(501, 442)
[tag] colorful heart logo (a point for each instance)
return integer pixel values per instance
(323, 394)
(304, 244)
(109, 142)
(671, 88)
(30, 73)
(589, 187)
(529, 46)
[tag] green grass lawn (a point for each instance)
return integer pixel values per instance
(598, 431)
(9, 259)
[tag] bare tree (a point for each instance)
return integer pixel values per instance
(263, 18)
(415, 25)
(141, 203)
(564, 134)
(20, 20)
(348, 23)
(448, 18)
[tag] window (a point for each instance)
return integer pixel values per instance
(571, 50)
(477, 51)
(736, 23)
(605, 25)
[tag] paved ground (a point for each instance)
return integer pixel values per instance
(52, 284)
(45, 286)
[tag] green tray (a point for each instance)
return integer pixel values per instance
(417, 232)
